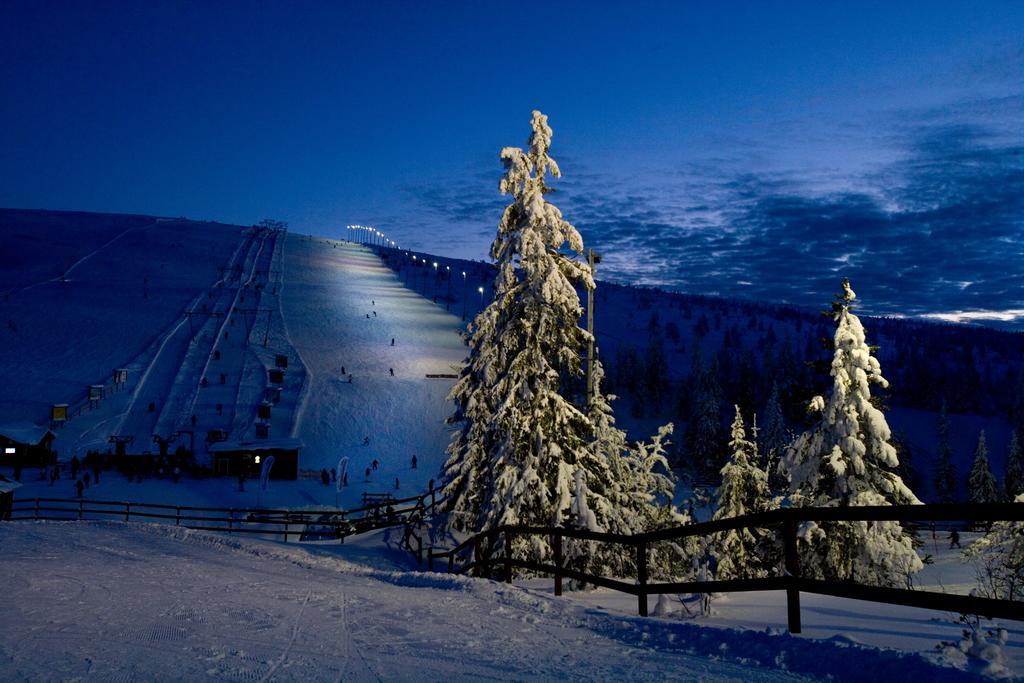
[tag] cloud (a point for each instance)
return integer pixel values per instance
(936, 226)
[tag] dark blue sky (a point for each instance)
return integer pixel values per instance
(751, 149)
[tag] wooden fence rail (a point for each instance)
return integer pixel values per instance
(785, 522)
(272, 522)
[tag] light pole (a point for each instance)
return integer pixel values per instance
(481, 290)
(435, 282)
(448, 297)
(464, 295)
(593, 259)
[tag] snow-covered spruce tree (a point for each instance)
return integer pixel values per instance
(981, 485)
(522, 445)
(638, 496)
(998, 558)
(742, 553)
(945, 470)
(1013, 480)
(847, 460)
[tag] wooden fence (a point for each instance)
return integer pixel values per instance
(784, 522)
(334, 523)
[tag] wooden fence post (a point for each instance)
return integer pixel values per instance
(556, 544)
(37, 508)
(478, 557)
(793, 570)
(79, 509)
(430, 558)
(231, 518)
(641, 577)
(127, 511)
(286, 529)
(177, 517)
(451, 563)
(508, 557)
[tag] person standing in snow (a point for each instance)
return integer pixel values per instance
(414, 461)
(392, 371)
(396, 483)
(954, 539)
(343, 370)
(392, 341)
(325, 478)
(375, 463)
(366, 441)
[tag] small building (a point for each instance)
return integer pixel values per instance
(120, 377)
(7, 488)
(281, 360)
(26, 445)
(276, 375)
(263, 410)
(232, 458)
(272, 394)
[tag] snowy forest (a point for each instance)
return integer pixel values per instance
(536, 439)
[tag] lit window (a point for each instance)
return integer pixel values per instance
(9, 450)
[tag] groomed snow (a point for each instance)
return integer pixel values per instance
(113, 601)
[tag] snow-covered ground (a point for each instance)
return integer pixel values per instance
(132, 602)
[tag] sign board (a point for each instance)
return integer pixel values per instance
(59, 412)
(121, 376)
(95, 392)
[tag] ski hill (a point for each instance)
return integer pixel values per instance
(201, 315)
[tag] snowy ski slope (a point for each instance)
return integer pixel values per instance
(159, 603)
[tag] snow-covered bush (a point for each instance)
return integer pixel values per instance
(978, 650)
(847, 459)
(998, 558)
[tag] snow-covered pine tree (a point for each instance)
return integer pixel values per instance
(1013, 480)
(524, 452)
(742, 553)
(945, 470)
(981, 485)
(847, 460)
(639, 496)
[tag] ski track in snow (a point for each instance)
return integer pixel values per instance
(114, 601)
(80, 261)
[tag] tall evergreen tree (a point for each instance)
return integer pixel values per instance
(524, 454)
(742, 553)
(1013, 481)
(945, 470)
(981, 485)
(847, 459)
(773, 438)
(703, 429)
